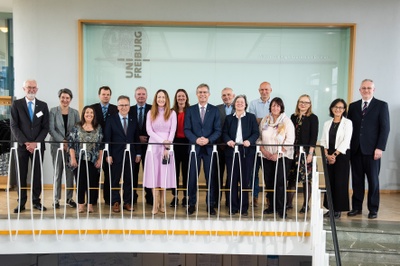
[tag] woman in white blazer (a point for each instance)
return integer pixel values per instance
(62, 119)
(336, 136)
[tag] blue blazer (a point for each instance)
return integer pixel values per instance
(250, 132)
(194, 128)
(114, 132)
(370, 131)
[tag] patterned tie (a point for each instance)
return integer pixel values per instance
(30, 110)
(202, 113)
(125, 125)
(140, 118)
(365, 107)
(104, 109)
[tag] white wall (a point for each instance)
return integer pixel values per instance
(46, 41)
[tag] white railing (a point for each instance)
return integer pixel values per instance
(173, 232)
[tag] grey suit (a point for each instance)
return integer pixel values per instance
(57, 134)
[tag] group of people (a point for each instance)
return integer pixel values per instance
(158, 137)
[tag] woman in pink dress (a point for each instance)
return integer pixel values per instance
(159, 169)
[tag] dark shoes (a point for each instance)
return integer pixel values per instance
(354, 212)
(56, 205)
(115, 207)
(232, 212)
(212, 211)
(372, 215)
(39, 207)
(191, 210)
(21, 209)
(174, 202)
(71, 203)
(303, 209)
(337, 215)
(184, 202)
(268, 211)
(245, 213)
(255, 202)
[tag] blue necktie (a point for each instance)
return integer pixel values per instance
(365, 107)
(104, 109)
(140, 120)
(30, 110)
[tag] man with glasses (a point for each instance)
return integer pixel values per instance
(202, 127)
(122, 129)
(371, 126)
(103, 110)
(29, 126)
(260, 108)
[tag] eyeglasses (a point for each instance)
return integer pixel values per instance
(123, 105)
(31, 88)
(301, 102)
(338, 108)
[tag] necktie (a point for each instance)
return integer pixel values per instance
(30, 110)
(140, 118)
(202, 113)
(125, 125)
(104, 109)
(365, 107)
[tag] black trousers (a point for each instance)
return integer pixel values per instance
(23, 157)
(181, 153)
(90, 174)
(365, 166)
(339, 180)
(116, 172)
(149, 193)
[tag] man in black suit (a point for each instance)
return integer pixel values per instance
(202, 127)
(103, 110)
(227, 96)
(122, 129)
(371, 127)
(139, 112)
(29, 126)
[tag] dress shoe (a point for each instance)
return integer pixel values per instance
(337, 215)
(245, 213)
(21, 209)
(56, 205)
(268, 211)
(354, 212)
(327, 214)
(303, 209)
(161, 209)
(184, 202)
(282, 215)
(174, 202)
(212, 211)
(232, 212)
(191, 210)
(255, 202)
(115, 207)
(90, 208)
(71, 203)
(39, 207)
(154, 211)
(128, 207)
(372, 215)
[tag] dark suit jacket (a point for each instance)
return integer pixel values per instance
(23, 130)
(250, 132)
(370, 131)
(114, 132)
(194, 128)
(112, 109)
(222, 115)
(134, 112)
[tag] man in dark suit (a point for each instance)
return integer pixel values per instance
(122, 129)
(202, 127)
(29, 126)
(371, 127)
(139, 112)
(103, 110)
(227, 96)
